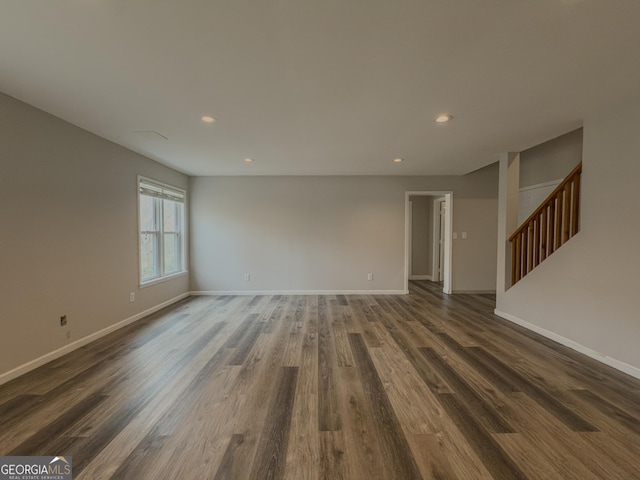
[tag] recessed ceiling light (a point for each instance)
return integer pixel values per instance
(398, 160)
(444, 118)
(248, 160)
(207, 119)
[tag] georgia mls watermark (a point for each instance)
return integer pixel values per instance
(36, 468)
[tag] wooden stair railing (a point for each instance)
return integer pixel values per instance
(554, 222)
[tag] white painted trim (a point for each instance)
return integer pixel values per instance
(33, 364)
(552, 183)
(435, 239)
(166, 278)
(448, 243)
(410, 239)
(600, 357)
(421, 277)
(474, 292)
(299, 292)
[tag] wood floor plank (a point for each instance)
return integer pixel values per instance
(479, 407)
(245, 344)
(534, 464)
(257, 384)
(498, 379)
(362, 448)
(612, 411)
(230, 459)
(116, 452)
(499, 464)
(208, 434)
(334, 464)
(393, 443)
(627, 465)
(303, 454)
(137, 463)
(416, 407)
(408, 346)
(15, 408)
(431, 457)
(328, 413)
(563, 447)
(295, 339)
(339, 331)
(18, 428)
(368, 387)
(45, 439)
(620, 434)
(545, 399)
(271, 456)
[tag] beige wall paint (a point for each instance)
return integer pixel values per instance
(475, 257)
(321, 233)
(69, 244)
(585, 292)
(552, 160)
(421, 235)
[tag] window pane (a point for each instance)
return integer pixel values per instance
(169, 217)
(148, 249)
(146, 213)
(171, 258)
(162, 224)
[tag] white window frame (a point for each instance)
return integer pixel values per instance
(169, 192)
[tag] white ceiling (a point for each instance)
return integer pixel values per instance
(322, 86)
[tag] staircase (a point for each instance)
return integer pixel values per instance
(549, 227)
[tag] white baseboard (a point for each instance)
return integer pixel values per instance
(612, 362)
(300, 292)
(33, 364)
(474, 292)
(421, 277)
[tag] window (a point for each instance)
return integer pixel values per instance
(162, 230)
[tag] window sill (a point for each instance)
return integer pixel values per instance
(166, 278)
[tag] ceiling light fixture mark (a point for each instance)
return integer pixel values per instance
(248, 160)
(398, 160)
(207, 119)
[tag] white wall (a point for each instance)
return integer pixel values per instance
(476, 256)
(552, 160)
(543, 167)
(530, 198)
(68, 244)
(586, 291)
(322, 233)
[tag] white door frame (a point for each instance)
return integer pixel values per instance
(448, 235)
(435, 273)
(410, 238)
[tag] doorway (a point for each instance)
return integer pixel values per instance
(439, 217)
(439, 238)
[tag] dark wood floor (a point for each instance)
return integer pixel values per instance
(333, 387)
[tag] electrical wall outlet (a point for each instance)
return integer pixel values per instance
(63, 320)
(369, 276)
(247, 277)
(132, 297)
